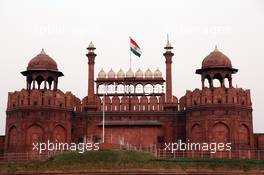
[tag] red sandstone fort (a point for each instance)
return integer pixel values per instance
(140, 108)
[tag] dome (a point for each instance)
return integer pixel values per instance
(120, 74)
(130, 73)
(102, 74)
(111, 74)
(216, 59)
(157, 74)
(148, 74)
(139, 73)
(42, 62)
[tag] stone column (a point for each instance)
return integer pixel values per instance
(168, 56)
(91, 57)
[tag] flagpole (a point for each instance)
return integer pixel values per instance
(130, 54)
(130, 58)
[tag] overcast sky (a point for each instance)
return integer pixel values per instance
(65, 28)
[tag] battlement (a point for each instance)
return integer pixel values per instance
(43, 98)
(213, 96)
(129, 103)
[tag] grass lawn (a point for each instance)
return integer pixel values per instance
(110, 159)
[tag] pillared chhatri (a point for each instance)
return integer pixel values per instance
(140, 109)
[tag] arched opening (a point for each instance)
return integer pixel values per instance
(143, 103)
(101, 89)
(134, 103)
(12, 138)
(111, 89)
(139, 89)
(161, 102)
(228, 81)
(107, 100)
(148, 89)
(124, 103)
(207, 81)
(130, 89)
(153, 103)
(217, 80)
(196, 133)
(50, 81)
(34, 135)
(59, 134)
(29, 82)
(39, 80)
(115, 103)
(244, 135)
(220, 133)
(120, 89)
(158, 88)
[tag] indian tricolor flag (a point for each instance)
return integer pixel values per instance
(135, 48)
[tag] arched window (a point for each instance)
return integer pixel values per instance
(111, 89)
(244, 135)
(101, 89)
(139, 89)
(59, 134)
(196, 133)
(217, 80)
(120, 89)
(220, 133)
(207, 81)
(130, 89)
(158, 88)
(50, 81)
(148, 89)
(39, 80)
(12, 137)
(34, 135)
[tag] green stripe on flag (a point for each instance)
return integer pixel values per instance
(135, 52)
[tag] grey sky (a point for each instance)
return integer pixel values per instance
(65, 28)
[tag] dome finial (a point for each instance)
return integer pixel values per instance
(91, 47)
(216, 49)
(91, 44)
(168, 46)
(43, 52)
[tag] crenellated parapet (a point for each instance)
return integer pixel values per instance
(42, 99)
(133, 103)
(216, 97)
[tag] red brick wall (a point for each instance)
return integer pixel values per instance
(212, 112)
(38, 116)
(2, 144)
(259, 141)
(171, 128)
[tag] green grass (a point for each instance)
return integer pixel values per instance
(101, 158)
(110, 159)
(211, 160)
